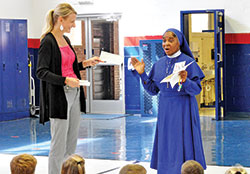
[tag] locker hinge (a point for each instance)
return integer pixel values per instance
(220, 24)
(221, 103)
(220, 64)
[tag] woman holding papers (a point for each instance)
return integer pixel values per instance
(178, 134)
(61, 97)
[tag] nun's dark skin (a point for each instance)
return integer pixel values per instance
(171, 45)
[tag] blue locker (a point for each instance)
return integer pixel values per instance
(14, 84)
(21, 61)
(151, 51)
(132, 83)
(137, 100)
(8, 84)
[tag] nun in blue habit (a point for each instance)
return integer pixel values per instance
(178, 134)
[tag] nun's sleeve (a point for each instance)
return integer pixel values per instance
(192, 85)
(148, 83)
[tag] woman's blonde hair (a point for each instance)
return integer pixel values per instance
(63, 9)
(75, 164)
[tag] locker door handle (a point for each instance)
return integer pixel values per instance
(17, 68)
(3, 66)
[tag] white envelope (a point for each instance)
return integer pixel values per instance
(110, 58)
(174, 77)
(178, 66)
(84, 83)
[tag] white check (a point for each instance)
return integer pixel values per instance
(110, 58)
(84, 83)
(174, 77)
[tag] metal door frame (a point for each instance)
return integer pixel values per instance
(220, 61)
(100, 106)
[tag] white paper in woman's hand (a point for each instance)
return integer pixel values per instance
(84, 83)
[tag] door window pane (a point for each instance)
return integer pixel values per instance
(105, 82)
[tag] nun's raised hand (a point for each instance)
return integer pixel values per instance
(139, 66)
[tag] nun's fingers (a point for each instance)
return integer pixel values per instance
(134, 60)
(183, 75)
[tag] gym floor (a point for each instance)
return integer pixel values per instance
(108, 142)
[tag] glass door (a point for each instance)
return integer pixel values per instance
(204, 30)
(100, 33)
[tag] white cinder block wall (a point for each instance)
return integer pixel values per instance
(139, 17)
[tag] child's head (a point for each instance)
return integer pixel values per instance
(75, 164)
(133, 169)
(191, 167)
(23, 163)
(236, 170)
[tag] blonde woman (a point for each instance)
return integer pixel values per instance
(61, 97)
(75, 164)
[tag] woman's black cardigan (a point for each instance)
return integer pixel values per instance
(53, 103)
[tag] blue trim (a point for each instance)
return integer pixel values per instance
(218, 99)
(202, 11)
(218, 65)
(224, 64)
(182, 20)
(217, 110)
(208, 31)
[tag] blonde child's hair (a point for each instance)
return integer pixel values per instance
(23, 163)
(133, 169)
(192, 167)
(75, 164)
(236, 170)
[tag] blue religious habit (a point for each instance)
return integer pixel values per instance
(178, 134)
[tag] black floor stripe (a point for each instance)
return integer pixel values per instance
(106, 171)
